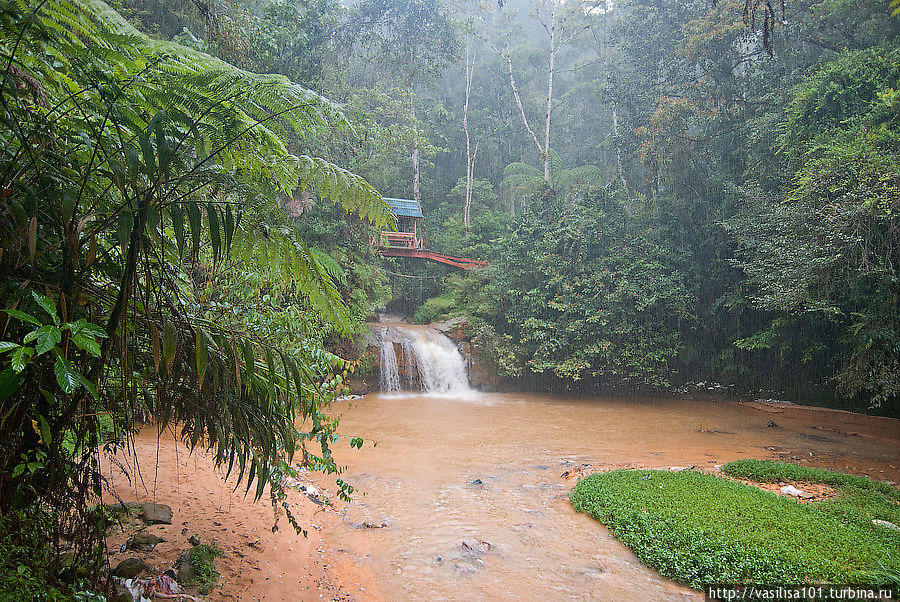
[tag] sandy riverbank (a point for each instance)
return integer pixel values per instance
(257, 563)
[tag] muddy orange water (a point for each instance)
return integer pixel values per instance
(489, 468)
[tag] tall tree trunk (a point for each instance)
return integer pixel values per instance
(470, 166)
(415, 166)
(619, 168)
(470, 176)
(415, 152)
(551, 30)
(515, 90)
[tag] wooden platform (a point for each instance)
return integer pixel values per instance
(408, 244)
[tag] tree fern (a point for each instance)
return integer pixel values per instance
(140, 188)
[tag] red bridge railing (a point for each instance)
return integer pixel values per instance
(407, 244)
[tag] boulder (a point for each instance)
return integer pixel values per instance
(184, 569)
(157, 514)
(144, 541)
(885, 524)
(130, 568)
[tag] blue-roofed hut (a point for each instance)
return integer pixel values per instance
(410, 233)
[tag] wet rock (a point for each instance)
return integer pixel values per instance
(120, 593)
(476, 547)
(130, 568)
(773, 425)
(157, 514)
(575, 473)
(184, 569)
(374, 525)
(476, 482)
(143, 541)
(886, 524)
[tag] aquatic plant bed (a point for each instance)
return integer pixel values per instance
(702, 529)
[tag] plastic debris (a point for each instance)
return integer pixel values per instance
(164, 586)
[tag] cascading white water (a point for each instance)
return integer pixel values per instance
(430, 361)
(390, 376)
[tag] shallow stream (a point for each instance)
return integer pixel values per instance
(490, 468)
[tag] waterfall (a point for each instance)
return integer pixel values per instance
(429, 362)
(390, 376)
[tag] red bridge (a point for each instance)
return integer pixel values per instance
(407, 242)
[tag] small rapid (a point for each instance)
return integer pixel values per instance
(429, 362)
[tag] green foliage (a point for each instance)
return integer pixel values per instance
(582, 295)
(841, 94)
(408, 39)
(699, 529)
(150, 260)
(203, 560)
(830, 248)
(434, 309)
(770, 471)
(29, 567)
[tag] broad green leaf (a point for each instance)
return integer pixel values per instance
(44, 426)
(20, 357)
(169, 346)
(91, 329)
(177, 215)
(212, 214)
(147, 149)
(123, 232)
(47, 305)
(202, 356)
(155, 346)
(21, 315)
(87, 343)
(10, 380)
(66, 375)
(6, 346)
(249, 359)
(196, 227)
(91, 388)
(47, 338)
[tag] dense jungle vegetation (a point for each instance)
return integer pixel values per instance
(667, 191)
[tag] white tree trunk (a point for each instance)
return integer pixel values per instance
(414, 157)
(551, 30)
(515, 90)
(415, 165)
(619, 168)
(470, 176)
(470, 164)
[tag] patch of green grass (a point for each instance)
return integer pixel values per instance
(859, 499)
(701, 529)
(203, 559)
(770, 471)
